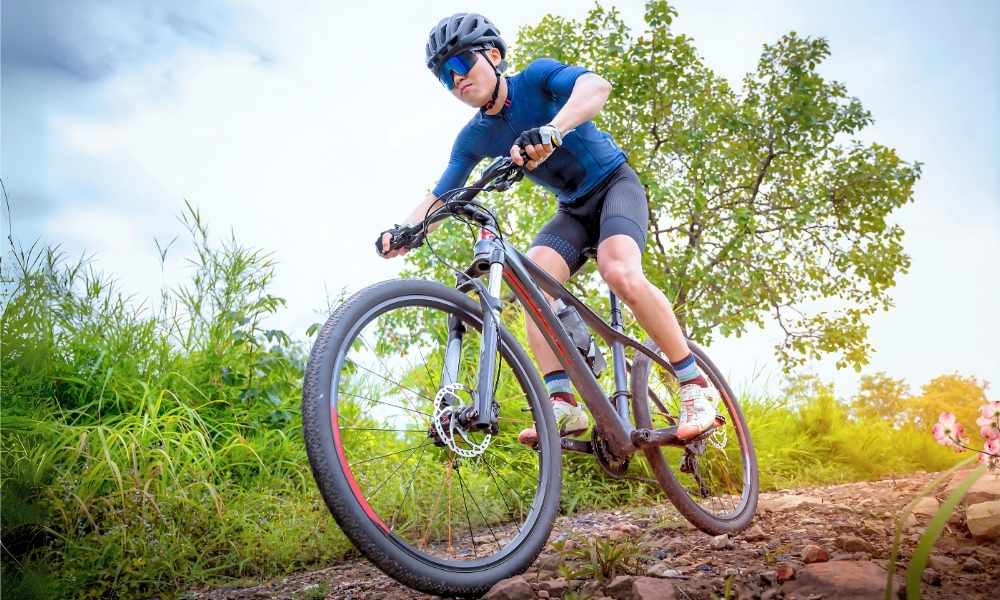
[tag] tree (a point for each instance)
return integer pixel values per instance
(882, 397)
(763, 203)
(952, 393)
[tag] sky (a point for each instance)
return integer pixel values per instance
(306, 128)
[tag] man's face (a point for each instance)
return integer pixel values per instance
(476, 87)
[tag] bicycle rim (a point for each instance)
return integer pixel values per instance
(713, 482)
(432, 499)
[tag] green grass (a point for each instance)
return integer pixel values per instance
(145, 453)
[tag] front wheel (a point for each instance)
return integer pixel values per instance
(441, 508)
(713, 482)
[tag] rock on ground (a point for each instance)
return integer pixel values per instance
(754, 534)
(813, 554)
(640, 588)
(858, 580)
(786, 503)
(926, 506)
(852, 543)
(985, 489)
(515, 588)
(983, 520)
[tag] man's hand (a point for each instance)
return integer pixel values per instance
(538, 143)
(404, 237)
(386, 253)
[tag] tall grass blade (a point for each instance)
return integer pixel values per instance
(933, 532)
(907, 510)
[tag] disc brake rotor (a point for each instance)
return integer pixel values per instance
(447, 405)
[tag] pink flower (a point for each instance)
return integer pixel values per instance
(947, 431)
(989, 420)
(991, 453)
(990, 410)
(988, 428)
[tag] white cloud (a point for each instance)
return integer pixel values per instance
(322, 127)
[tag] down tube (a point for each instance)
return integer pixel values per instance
(558, 339)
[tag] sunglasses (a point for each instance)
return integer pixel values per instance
(461, 63)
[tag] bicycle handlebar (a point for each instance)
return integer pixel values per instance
(499, 176)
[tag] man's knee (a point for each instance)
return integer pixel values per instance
(550, 261)
(624, 279)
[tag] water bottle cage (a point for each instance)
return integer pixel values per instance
(582, 337)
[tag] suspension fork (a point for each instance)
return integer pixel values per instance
(453, 351)
(489, 259)
(483, 418)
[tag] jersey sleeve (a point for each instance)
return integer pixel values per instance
(463, 159)
(553, 77)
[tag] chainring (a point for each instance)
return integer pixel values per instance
(613, 466)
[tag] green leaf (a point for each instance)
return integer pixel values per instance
(908, 509)
(934, 529)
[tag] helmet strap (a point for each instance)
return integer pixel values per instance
(496, 87)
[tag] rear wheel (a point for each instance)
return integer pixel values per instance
(442, 509)
(713, 482)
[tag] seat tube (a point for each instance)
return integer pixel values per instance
(621, 394)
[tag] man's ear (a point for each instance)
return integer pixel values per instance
(497, 59)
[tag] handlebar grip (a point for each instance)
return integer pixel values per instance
(400, 236)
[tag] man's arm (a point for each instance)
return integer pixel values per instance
(590, 93)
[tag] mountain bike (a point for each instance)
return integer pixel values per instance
(415, 392)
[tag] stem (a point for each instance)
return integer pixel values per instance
(961, 445)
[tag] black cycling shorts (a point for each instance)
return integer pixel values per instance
(616, 206)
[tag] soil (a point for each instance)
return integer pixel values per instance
(792, 531)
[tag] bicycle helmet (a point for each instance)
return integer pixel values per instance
(462, 31)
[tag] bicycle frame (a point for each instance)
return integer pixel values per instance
(527, 280)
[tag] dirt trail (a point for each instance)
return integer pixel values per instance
(851, 523)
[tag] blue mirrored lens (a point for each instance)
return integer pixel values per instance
(460, 63)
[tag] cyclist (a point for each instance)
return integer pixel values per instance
(546, 110)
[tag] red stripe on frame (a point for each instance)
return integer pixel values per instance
(534, 307)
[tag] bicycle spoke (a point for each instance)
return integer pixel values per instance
(419, 412)
(395, 383)
(408, 486)
(380, 429)
(468, 520)
(430, 378)
(486, 520)
(392, 473)
(503, 496)
(367, 460)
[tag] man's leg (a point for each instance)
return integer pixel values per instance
(552, 263)
(570, 417)
(620, 264)
(619, 261)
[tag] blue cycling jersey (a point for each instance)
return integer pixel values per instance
(536, 94)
